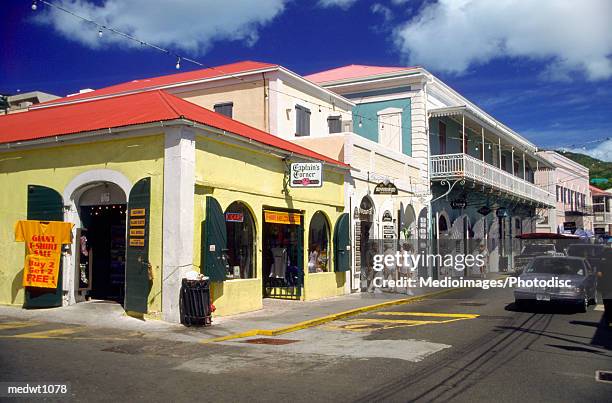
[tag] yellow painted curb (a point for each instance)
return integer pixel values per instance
(324, 319)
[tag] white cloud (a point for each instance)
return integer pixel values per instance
(603, 151)
(343, 4)
(383, 10)
(570, 36)
(191, 25)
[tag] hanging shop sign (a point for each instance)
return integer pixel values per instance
(385, 189)
(484, 210)
(600, 231)
(459, 204)
(501, 212)
(234, 217)
(282, 217)
(387, 216)
(306, 175)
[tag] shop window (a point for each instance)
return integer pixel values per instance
(240, 228)
(226, 108)
(318, 244)
(335, 124)
(302, 121)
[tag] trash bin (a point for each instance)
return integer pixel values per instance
(194, 302)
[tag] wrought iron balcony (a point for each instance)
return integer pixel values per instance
(463, 166)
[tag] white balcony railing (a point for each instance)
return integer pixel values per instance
(602, 218)
(458, 166)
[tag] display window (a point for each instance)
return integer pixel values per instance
(283, 250)
(241, 245)
(318, 244)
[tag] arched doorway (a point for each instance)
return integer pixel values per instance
(101, 242)
(318, 244)
(240, 227)
(365, 232)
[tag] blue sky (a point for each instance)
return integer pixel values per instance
(543, 67)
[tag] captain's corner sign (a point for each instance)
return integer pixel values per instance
(306, 175)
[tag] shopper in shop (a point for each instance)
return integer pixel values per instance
(313, 258)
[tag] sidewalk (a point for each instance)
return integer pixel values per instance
(276, 317)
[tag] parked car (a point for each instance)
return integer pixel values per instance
(530, 251)
(577, 271)
(593, 253)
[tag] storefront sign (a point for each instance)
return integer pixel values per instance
(306, 175)
(387, 216)
(137, 212)
(137, 242)
(569, 225)
(137, 232)
(459, 204)
(600, 231)
(137, 222)
(282, 217)
(385, 189)
(234, 217)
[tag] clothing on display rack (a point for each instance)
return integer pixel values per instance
(280, 262)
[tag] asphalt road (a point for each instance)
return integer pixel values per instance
(463, 346)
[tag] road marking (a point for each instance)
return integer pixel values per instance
(431, 314)
(370, 324)
(45, 334)
(16, 325)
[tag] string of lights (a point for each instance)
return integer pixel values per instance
(181, 58)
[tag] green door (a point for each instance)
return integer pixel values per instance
(44, 204)
(342, 244)
(137, 283)
(214, 241)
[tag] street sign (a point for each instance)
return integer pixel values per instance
(459, 204)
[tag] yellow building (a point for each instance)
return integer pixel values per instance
(157, 187)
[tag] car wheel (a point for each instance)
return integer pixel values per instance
(584, 304)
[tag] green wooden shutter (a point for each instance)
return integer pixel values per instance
(342, 244)
(44, 204)
(137, 283)
(214, 241)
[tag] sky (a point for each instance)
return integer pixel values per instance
(542, 67)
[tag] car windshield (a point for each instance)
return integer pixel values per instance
(539, 248)
(556, 266)
(585, 250)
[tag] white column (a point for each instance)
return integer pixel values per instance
(463, 132)
(500, 152)
(178, 216)
(524, 170)
(483, 142)
(512, 163)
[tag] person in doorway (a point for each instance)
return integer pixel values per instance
(406, 269)
(482, 250)
(370, 272)
(604, 284)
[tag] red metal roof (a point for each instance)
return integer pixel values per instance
(161, 81)
(598, 192)
(134, 109)
(353, 71)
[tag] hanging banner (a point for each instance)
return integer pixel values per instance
(282, 217)
(306, 175)
(385, 189)
(43, 240)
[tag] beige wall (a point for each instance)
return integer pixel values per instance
(248, 98)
